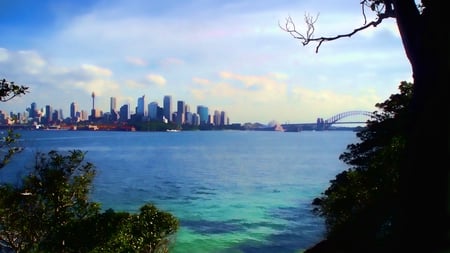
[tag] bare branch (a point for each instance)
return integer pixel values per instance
(384, 9)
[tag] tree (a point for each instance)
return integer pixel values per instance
(361, 206)
(50, 211)
(8, 141)
(424, 174)
(10, 90)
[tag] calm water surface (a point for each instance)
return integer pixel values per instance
(233, 191)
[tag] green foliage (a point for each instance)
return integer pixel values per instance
(154, 126)
(54, 194)
(50, 211)
(8, 146)
(8, 140)
(148, 231)
(362, 203)
(9, 90)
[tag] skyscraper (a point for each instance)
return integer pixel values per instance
(73, 110)
(203, 113)
(113, 105)
(216, 118)
(167, 106)
(33, 110)
(180, 112)
(223, 118)
(153, 110)
(141, 108)
(48, 113)
(125, 112)
(113, 109)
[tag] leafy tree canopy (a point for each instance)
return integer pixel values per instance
(50, 211)
(361, 205)
(9, 90)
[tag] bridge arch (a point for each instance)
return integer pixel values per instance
(325, 124)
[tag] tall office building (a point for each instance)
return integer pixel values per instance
(73, 110)
(167, 107)
(125, 112)
(216, 118)
(34, 113)
(48, 113)
(180, 112)
(153, 110)
(113, 105)
(114, 114)
(84, 115)
(223, 118)
(203, 113)
(141, 108)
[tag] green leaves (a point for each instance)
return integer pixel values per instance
(50, 211)
(8, 146)
(362, 203)
(9, 90)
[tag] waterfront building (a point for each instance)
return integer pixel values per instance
(112, 104)
(153, 110)
(167, 107)
(33, 111)
(73, 111)
(223, 118)
(195, 119)
(188, 118)
(48, 114)
(203, 113)
(125, 113)
(141, 109)
(84, 115)
(216, 118)
(114, 114)
(180, 112)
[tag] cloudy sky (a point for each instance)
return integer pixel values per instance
(227, 55)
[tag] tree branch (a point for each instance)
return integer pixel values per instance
(383, 9)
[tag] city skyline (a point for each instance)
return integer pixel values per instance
(229, 55)
(142, 108)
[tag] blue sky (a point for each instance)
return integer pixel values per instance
(227, 55)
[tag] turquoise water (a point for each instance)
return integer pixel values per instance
(233, 191)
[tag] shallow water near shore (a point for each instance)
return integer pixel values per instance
(233, 191)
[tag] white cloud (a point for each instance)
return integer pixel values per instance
(156, 79)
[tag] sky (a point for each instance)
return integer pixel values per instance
(230, 56)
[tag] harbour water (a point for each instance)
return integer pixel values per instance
(233, 191)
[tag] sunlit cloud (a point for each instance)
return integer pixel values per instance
(96, 70)
(156, 79)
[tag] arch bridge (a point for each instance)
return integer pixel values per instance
(337, 119)
(322, 124)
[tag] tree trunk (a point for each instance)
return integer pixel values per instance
(425, 174)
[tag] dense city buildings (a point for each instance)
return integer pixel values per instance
(181, 118)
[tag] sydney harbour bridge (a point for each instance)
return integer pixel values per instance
(344, 118)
